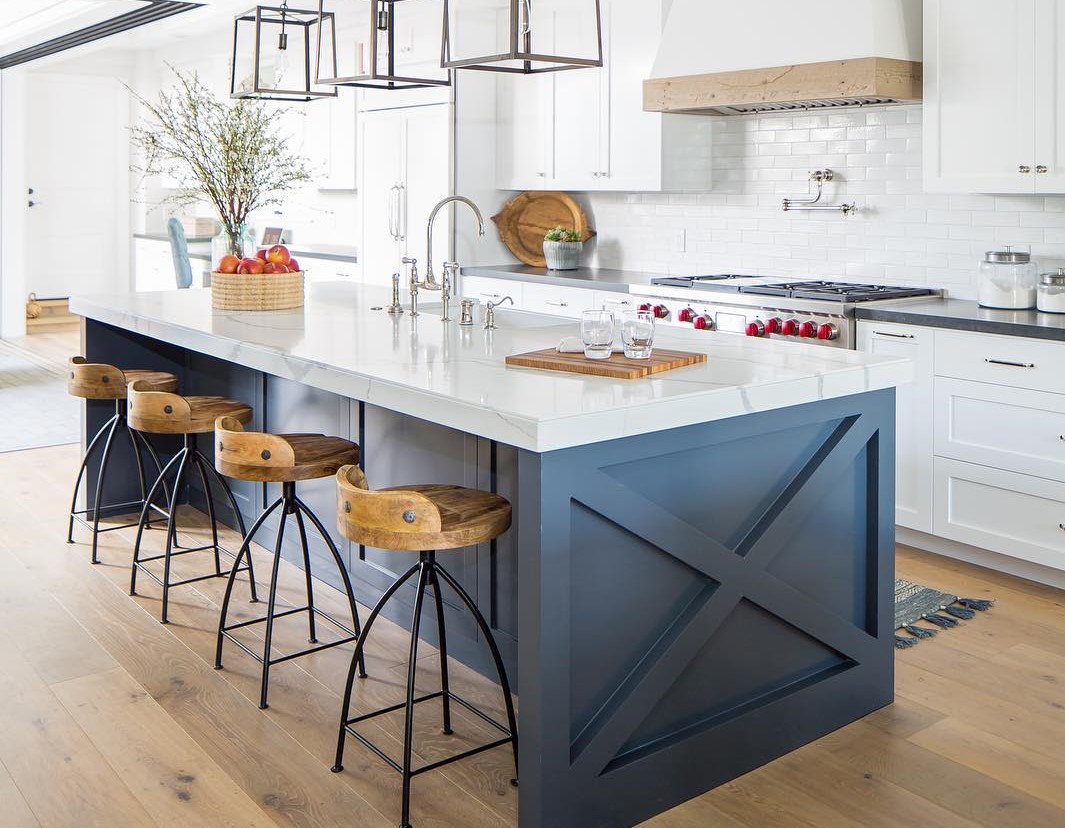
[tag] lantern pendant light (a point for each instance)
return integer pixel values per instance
(272, 55)
(522, 36)
(379, 62)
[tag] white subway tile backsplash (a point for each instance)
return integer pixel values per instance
(902, 234)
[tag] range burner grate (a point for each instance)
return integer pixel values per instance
(834, 291)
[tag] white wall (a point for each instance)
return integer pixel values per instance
(901, 235)
(12, 205)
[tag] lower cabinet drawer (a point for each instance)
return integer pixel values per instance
(1013, 514)
(557, 301)
(486, 290)
(1002, 360)
(1008, 428)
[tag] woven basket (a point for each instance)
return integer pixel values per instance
(265, 292)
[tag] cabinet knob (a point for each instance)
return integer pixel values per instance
(1041, 169)
(1024, 169)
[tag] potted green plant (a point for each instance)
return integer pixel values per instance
(562, 249)
(227, 153)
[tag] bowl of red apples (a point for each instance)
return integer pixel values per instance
(271, 280)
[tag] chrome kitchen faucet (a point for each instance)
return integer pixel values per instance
(430, 282)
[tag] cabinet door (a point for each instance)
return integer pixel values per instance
(380, 194)
(526, 132)
(426, 180)
(579, 128)
(913, 417)
(1050, 96)
(980, 96)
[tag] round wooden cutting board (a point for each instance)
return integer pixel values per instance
(525, 219)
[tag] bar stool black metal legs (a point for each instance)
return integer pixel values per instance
(409, 519)
(288, 504)
(284, 459)
(181, 465)
(429, 574)
(98, 381)
(156, 411)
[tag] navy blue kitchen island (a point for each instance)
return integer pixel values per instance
(699, 577)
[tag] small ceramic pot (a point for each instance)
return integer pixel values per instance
(563, 255)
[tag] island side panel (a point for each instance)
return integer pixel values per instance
(698, 602)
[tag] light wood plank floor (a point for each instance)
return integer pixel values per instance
(108, 718)
(56, 344)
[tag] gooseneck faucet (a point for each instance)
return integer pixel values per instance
(430, 282)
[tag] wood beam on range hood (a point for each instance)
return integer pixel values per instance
(816, 85)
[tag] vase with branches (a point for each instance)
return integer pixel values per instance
(228, 153)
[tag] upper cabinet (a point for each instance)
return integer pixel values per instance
(994, 111)
(586, 129)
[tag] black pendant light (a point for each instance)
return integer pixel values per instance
(273, 47)
(375, 57)
(522, 36)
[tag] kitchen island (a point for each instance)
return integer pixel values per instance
(699, 575)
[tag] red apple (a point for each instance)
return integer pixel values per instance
(280, 268)
(261, 255)
(250, 266)
(293, 266)
(278, 254)
(228, 264)
(269, 267)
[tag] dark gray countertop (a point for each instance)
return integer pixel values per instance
(965, 315)
(586, 277)
(332, 252)
(163, 237)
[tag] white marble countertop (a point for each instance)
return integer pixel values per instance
(343, 342)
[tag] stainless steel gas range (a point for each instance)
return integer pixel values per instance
(815, 311)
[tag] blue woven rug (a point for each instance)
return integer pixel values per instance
(914, 603)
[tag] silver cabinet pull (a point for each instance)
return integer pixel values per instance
(894, 335)
(557, 304)
(1010, 364)
(1024, 169)
(1061, 526)
(1042, 169)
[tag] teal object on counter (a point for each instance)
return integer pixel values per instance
(179, 250)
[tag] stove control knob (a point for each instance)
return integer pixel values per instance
(756, 328)
(646, 306)
(661, 311)
(808, 330)
(685, 315)
(790, 328)
(773, 325)
(704, 323)
(828, 331)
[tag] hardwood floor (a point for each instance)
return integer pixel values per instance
(56, 344)
(110, 719)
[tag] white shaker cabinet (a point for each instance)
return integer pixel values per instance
(994, 96)
(913, 414)
(586, 129)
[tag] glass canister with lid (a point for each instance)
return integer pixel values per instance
(1008, 280)
(1051, 291)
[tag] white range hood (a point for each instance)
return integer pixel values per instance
(728, 58)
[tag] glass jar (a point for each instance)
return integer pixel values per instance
(225, 245)
(1007, 280)
(1051, 291)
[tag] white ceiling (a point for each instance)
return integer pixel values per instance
(28, 22)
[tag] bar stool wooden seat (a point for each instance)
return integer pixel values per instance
(156, 411)
(99, 381)
(284, 459)
(423, 519)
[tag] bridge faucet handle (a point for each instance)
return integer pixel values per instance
(413, 269)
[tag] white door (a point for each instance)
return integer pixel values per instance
(980, 96)
(78, 209)
(1050, 97)
(426, 180)
(913, 417)
(381, 164)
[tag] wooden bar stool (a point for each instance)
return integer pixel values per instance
(161, 412)
(417, 519)
(97, 381)
(284, 459)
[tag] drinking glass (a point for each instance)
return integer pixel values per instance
(597, 332)
(638, 334)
